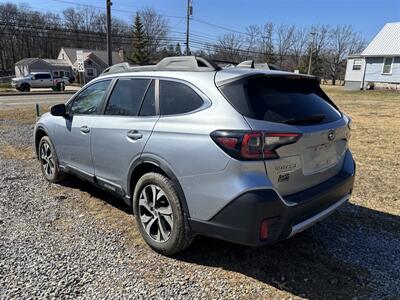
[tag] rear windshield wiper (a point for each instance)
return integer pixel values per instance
(313, 119)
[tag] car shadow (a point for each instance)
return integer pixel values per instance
(94, 191)
(338, 258)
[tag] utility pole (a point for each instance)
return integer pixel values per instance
(109, 50)
(311, 51)
(188, 14)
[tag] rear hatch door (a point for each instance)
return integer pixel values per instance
(276, 103)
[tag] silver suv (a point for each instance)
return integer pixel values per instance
(251, 156)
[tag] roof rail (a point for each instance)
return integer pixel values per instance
(174, 63)
(251, 65)
(246, 64)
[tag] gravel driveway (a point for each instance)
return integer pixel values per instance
(75, 241)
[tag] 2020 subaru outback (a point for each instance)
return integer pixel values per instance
(246, 155)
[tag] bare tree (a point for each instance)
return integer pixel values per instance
(285, 41)
(229, 48)
(342, 42)
(299, 48)
(156, 30)
(252, 40)
(266, 43)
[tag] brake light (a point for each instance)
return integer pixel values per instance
(253, 145)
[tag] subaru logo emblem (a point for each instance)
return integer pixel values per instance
(331, 135)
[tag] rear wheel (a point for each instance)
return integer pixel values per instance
(159, 214)
(49, 161)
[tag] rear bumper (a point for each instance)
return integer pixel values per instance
(240, 220)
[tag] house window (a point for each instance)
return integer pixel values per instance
(387, 65)
(91, 72)
(357, 63)
(62, 55)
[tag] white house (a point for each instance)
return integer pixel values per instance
(379, 63)
(95, 60)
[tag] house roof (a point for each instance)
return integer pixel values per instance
(57, 62)
(386, 42)
(53, 62)
(26, 61)
(100, 54)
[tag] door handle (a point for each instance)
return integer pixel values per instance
(85, 129)
(134, 135)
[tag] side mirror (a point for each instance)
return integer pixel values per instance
(58, 110)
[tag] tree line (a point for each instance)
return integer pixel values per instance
(28, 33)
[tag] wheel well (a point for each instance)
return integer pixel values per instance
(25, 84)
(142, 169)
(38, 136)
(146, 167)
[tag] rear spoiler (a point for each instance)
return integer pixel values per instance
(286, 75)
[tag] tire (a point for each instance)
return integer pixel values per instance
(163, 226)
(25, 87)
(49, 161)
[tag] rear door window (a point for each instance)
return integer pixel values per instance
(286, 100)
(126, 97)
(177, 98)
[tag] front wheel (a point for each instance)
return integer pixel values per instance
(49, 161)
(159, 214)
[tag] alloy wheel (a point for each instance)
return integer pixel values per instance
(47, 159)
(155, 213)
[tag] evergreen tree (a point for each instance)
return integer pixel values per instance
(139, 54)
(178, 50)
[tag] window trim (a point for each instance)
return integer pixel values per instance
(206, 101)
(391, 66)
(94, 72)
(105, 96)
(354, 64)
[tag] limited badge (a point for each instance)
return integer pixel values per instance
(283, 177)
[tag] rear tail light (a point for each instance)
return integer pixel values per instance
(264, 230)
(253, 145)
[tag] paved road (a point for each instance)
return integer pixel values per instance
(18, 100)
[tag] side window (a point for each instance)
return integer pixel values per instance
(126, 97)
(89, 100)
(177, 98)
(149, 107)
(43, 76)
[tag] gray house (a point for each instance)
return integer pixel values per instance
(59, 68)
(95, 61)
(378, 64)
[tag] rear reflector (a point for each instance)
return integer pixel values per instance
(253, 145)
(264, 229)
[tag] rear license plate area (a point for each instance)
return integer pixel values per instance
(319, 157)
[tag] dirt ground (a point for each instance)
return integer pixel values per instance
(354, 254)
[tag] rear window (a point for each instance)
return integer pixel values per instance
(177, 98)
(281, 100)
